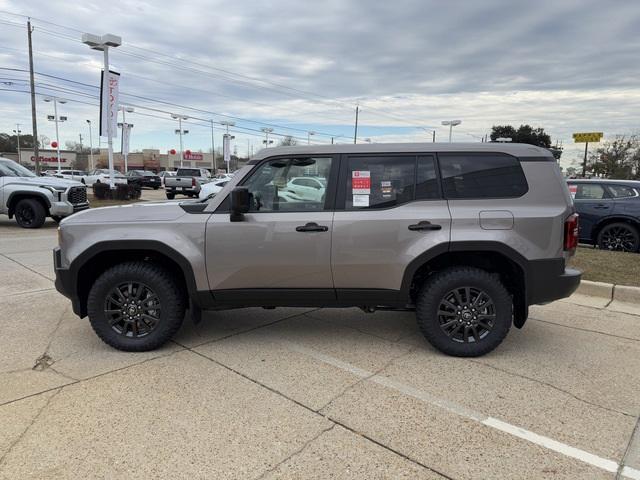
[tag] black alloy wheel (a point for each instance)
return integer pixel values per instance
(466, 314)
(621, 237)
(132, 309)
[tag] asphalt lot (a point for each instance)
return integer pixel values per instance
(302, 393)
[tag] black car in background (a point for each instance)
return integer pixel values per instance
(143, 178)
(609, 212)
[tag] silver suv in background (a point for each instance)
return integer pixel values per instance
(31, 199)
(466, 235)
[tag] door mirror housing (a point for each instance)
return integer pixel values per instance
(239, 203)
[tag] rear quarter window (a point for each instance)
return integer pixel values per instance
(481, 175)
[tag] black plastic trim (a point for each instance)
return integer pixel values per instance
(67, 279)
(28, 193)
(195, 207)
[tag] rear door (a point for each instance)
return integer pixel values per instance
(389, 211)
(593, 202)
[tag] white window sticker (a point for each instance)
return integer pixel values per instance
(361, 200)
(573, 189)
(361, 183)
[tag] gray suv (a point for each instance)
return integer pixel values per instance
(466, 235)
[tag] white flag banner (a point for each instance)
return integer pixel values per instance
(226, 148)
(126, 134)
(109, 93)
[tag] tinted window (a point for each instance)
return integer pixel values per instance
(188, 172)
(271, 188)
(380, 181)
(590, 191)
(621, 191)
(472, 175)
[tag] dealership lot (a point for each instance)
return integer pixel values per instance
(284, 393)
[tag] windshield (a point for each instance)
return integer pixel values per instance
(9, 168)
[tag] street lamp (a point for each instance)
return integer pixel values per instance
(181, 132)
(309, 136)
(90, 145)
(56, 119)
(266, 131)
(17, 131)
(102, 43)
(451, 124)
(126, 131)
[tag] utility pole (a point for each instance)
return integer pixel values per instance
(34, 122)
(90, 146)
(584, 162)
(434, 136)
(80, 148)
(355, 133)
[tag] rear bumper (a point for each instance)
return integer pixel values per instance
(550, 280)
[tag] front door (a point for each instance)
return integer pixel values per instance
(593, 203)
(389, 211)
(280, 253)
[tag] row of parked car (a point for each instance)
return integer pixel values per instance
(142, 178)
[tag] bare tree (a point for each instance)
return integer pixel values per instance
(288, 141)
(616, 158)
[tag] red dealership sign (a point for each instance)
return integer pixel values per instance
(188, 155)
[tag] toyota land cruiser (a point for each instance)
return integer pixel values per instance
(467, 235)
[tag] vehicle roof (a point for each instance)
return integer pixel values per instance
(516, 149)
(633, 183)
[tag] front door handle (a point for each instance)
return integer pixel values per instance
(424, 225)
(312, 227)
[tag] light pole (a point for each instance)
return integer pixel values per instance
(266, 131)
(126, 131)
(90, 146)
(180, 132)
(17, 131)
(309, 136)
(56, 119)
(102, 43)
(226, 143)
(451, 124)
(214, 166)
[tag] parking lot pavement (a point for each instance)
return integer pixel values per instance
(307, 393)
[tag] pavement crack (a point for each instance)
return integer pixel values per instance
(635, 437)
(585, 330)
(24, 266)
(296, 452)
(368, 377)
(28, 427)
(555, 387)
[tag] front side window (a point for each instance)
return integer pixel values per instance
(481, 175)
(590, 191)
(275, 185)
(13, 169)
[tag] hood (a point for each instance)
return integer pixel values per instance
(49, 181)
(134, 213)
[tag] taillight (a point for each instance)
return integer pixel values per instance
(193, 181)
(571, 233)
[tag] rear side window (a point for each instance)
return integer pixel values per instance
(621, 191)
(590, 191)
(479, 175)
(188, 172)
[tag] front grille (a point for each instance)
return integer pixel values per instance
(77, 195)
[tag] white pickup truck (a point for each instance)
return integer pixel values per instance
(186, 182)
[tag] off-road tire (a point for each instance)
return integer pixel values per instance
(171, 298)
(434, 292)
(171, 196)
(30, 213)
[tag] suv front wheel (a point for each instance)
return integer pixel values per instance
(135, 306)
(464, 311)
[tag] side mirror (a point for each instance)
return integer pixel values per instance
(239, 203)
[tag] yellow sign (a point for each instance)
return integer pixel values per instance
(587, 137)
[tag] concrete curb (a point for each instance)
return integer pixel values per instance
(619, 298)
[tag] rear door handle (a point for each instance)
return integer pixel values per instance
(312, 227)
(424, 225)
(601, 206)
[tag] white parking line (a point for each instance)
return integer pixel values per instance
(546, 442)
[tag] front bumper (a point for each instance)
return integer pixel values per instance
(550, 280)
(65, 283)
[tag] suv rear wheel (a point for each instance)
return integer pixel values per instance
(135, 306)
(619, 236)
(30, 213)
(464, 312)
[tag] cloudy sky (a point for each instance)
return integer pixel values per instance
(296, 66)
